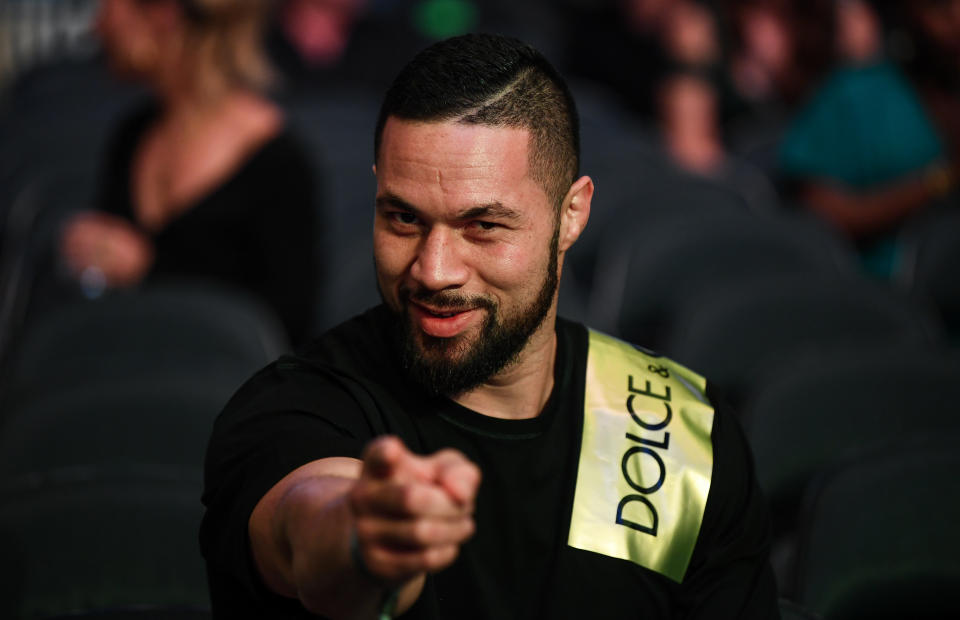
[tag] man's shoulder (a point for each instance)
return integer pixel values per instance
(359, 345)
(336, 361)
(603, 347)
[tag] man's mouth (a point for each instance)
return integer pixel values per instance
(444, 314)
(442, 322)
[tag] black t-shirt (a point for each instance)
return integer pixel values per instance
(254, 231)
(518, 564)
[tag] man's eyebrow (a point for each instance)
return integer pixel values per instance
(494, 210)
(392, 200)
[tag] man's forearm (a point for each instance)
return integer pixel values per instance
(305, 552)
(864, 213)
(407, 514)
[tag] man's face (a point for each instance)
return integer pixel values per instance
(465, 243)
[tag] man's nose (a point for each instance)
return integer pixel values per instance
(439, 264)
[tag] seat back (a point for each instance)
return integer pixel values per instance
(109, 540)
(337, 126)
(166, 420)
(881, 537)
(650, 267)
(825, 408)
(931, 264)
(209, 330)
(733, 332)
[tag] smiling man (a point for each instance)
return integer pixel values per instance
(345, 482)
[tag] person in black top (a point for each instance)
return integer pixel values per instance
(205, 180)
(460, 451)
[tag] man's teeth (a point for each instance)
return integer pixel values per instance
(444, 315)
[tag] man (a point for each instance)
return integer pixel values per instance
(347, 481)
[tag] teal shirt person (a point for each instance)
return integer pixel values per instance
(864, 128)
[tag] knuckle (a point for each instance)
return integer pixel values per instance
(448, 454)
(359, 497)
(374, 449)
(474, 470)
(384, 565)
(423, 531)
(366, 529)
(375, 561)
(436, 558)
(411, 498)
(468, 529)
(406, 498)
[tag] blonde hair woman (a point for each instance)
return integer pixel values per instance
(204, 180)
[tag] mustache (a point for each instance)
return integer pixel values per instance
(446, 300)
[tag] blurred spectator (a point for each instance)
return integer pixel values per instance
(778, 49)
(863, 151)
(618, 44)
(689, 122)
(762, 61)
(318, 44)
(205, 180)
(320, 29)
(690, 34)
(933, 61)
(688, 97)
(689, 105)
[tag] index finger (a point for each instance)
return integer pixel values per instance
(381, 456)
(389, 499)
(388, 457)
(458, 475)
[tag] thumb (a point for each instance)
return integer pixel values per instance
(381, 456)
(388, 457)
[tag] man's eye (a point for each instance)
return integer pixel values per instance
(486, 225)
(404, 217)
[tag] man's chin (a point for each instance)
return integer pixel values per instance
(453, 365)
(444, 350)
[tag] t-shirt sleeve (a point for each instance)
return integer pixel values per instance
(730, 574)
(273, 425)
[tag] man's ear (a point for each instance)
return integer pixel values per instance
(374, 168)
(575, 211)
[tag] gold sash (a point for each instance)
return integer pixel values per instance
(646, 458)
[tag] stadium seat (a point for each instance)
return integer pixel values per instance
(821, 409)
(199, 328)
(733, 332)
(163, 420)
(931, 263)
(55, 122)
(880, 537)
(790, 610)
(648, 268)
(138, 613)
(337, 127)
(106, 541)
(635, 184)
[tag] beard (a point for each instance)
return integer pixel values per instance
(452, 366)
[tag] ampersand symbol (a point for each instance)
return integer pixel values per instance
(660, 370)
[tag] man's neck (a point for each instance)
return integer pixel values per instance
(522, 389)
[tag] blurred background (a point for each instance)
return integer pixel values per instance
(186, 193)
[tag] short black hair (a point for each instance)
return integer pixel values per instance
(497, 81)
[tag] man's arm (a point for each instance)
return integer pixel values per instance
(862, 213)
(730, 575)
(406, 514)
